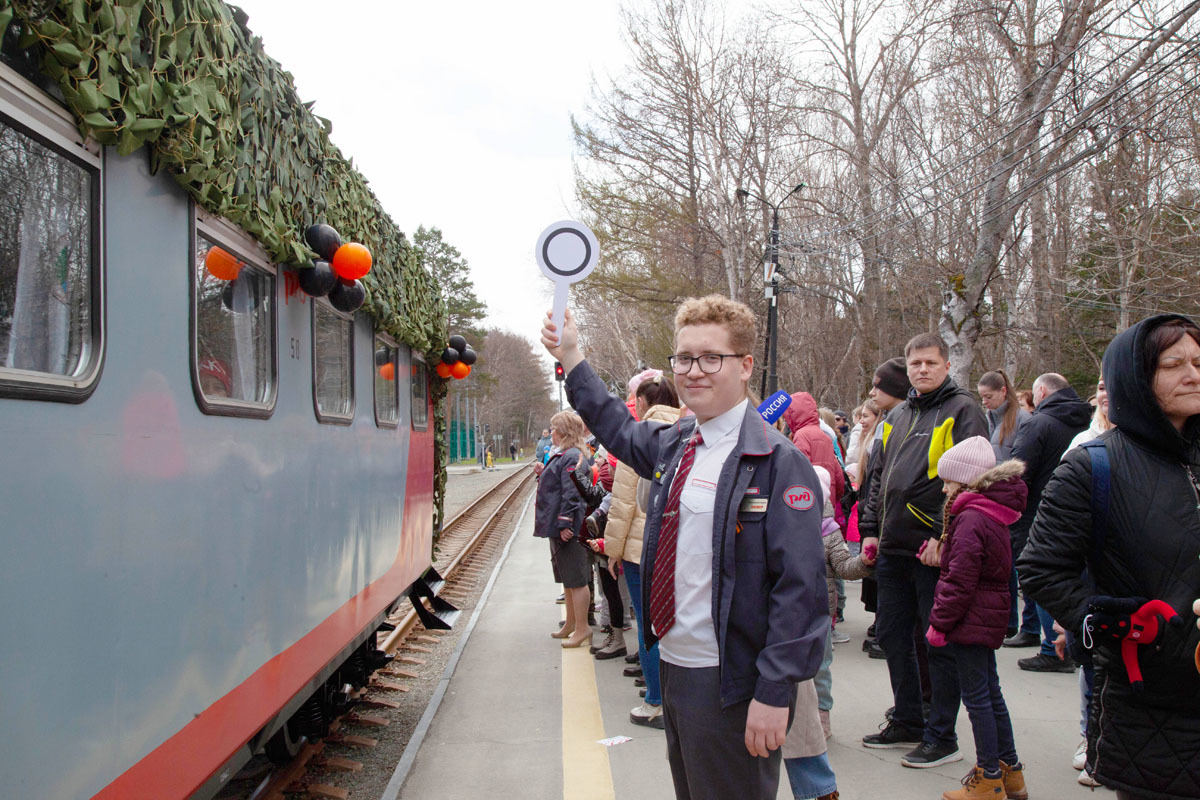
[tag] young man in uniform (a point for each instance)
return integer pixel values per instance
(733, 565)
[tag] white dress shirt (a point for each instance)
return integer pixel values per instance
(692, 640)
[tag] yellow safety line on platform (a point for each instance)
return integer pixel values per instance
(586, 771)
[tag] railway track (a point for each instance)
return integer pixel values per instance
(465, 552)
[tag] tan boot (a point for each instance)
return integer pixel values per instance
(977, 787)
(831, 796)
(1014, 781)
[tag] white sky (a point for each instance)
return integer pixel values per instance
(458, 116)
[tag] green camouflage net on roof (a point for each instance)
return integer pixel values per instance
(190, 82)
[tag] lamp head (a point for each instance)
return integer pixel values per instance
(742, 194)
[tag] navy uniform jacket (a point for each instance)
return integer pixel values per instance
(769, 603)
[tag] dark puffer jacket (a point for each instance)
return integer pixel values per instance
(1041, 442)
(971, 602)
(1147, 742)
(905, 502)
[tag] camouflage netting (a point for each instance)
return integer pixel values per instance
(190, 82)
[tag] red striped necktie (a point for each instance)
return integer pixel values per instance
(662, 582)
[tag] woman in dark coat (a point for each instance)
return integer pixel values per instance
(558, 516)
(1142, 742)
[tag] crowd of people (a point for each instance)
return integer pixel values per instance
(732, 540)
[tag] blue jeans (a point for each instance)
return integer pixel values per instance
(648, 658)
(906, 588)
(810, 777)
(823, 680)
(981, 695)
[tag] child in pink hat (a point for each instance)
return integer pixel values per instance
(971, 603)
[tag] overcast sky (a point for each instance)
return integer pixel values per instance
(458, 116)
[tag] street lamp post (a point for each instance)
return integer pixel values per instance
(771, 288)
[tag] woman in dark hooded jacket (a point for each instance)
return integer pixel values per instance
(1145, 741)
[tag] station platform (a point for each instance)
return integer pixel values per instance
(522, 717)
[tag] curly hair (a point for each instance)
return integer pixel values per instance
(715, 309)
(571, 430)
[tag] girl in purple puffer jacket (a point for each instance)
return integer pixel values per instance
(971, 604)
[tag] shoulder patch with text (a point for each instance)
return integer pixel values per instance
(798, 497)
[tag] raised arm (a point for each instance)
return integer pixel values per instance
(635, 443)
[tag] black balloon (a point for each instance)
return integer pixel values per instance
(459, 343)
(347, 297)
(450, 356)
(237, 302)
(317, 280)
(324, 240)
(469, 356)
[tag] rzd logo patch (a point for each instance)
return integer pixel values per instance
(799, 497)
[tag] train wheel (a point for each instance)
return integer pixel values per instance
(285, 744)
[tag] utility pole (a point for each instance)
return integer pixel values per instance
(770, 380)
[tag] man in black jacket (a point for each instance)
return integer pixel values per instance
(1058, 416)
(903, 516)
(889, 387)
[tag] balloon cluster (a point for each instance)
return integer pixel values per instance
(456, 359)
(335, 274)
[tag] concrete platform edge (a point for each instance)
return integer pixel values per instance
(409, 756)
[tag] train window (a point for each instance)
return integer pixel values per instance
(233, 332)
(420, 394)
(333, 371)
(51, 340)
(387, 401)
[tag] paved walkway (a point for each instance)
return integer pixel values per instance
(522, 716)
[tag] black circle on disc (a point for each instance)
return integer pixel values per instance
(587, 252)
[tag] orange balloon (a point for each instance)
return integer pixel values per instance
(388, 371)
(222, 264)
(443, 369)
(351, 261)
(460, 370)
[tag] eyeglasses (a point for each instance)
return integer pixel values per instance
(709, 362)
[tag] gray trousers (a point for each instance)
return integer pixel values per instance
(706, 744)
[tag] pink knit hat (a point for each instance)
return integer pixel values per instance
(967, 460)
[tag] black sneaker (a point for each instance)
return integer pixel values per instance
(873, 650)
(1044, 663)
(1022, 639)
(928, 754)
(632, 672)
(893, 735)
(632, 658)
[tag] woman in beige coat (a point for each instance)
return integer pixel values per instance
(655, 400)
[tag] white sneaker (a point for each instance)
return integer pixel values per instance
(839, 637)
(1085, 779)
(1080, 759)
(648, 715)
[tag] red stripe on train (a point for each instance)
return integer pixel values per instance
(181, 765)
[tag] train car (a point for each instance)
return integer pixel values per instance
(212, 490)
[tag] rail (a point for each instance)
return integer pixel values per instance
(458, 529)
